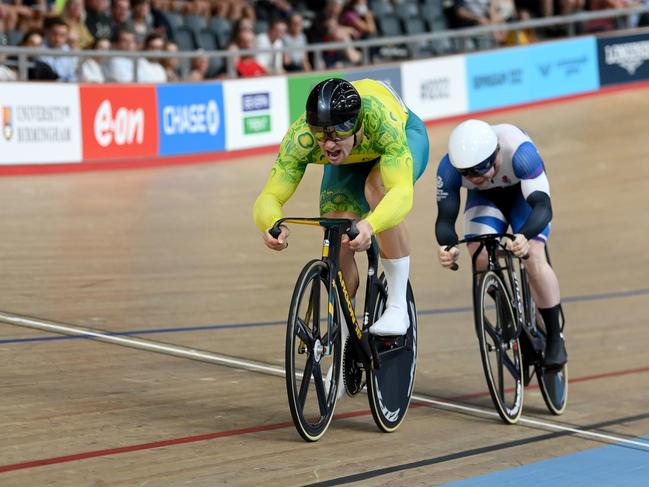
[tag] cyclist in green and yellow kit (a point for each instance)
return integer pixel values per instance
(374, 149)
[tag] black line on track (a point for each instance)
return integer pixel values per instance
(348, 479)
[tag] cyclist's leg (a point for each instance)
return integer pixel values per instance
(340, 197)
(543, 284)
(482, 216)
(394, 243)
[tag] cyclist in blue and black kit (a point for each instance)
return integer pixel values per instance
(507, 185)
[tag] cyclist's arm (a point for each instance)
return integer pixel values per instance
(285, 176)
(528, 166)
(278, 189)
(449, 183)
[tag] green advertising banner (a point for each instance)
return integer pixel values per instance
(299, 88)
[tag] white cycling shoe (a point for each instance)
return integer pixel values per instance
(393, 322)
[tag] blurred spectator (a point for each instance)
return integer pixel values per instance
(74, 14)
(240, 26)
(149, 69)
(7, 74)
(161, 24)
(16, 16)
(320, 27)
(141, 21)
(199, 67)
(340, 57)
(120, 68)
(38, 70)
(97, 21)
(297, 59)
(92, 68)
(358, 16)
(170, 64)
(503, 11)
(611, 23)
(247, 66)
(469, 13)
(119, 15)
(73, 41)
(273, 38)
(240, 9)
(271, 9)
(56, 37)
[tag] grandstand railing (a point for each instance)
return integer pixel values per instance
(388, 48)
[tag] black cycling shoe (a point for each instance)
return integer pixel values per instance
(555, 354)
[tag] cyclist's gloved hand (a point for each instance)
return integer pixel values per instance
(364, 239)
(279, 243)
(447, 257)
(519, 247)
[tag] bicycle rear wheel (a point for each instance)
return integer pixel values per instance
(310, 399)
(390, 386)
(500, 349)
(552, 382)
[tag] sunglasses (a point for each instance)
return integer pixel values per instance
(482, 168)
(336, 133)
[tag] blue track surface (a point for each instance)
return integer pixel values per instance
(610, 466)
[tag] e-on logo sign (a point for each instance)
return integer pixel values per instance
(126, 127)
(198, 118)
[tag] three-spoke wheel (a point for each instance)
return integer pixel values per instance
(312, 372)
(500, 349)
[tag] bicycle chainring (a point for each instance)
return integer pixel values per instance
(353, 371)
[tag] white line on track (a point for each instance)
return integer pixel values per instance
(533, 422)
(210, 357)
(140, 343)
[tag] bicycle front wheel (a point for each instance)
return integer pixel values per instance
(500, 349)
(312, 372)
(390, 385)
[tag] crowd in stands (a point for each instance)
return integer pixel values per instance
(152, 26)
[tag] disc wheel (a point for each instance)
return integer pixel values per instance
(552, 382)
(390, 385)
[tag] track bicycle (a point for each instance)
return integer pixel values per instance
(320, 306)
(510, 331)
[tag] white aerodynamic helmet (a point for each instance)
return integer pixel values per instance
(471, 143)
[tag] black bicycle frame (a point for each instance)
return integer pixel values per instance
(521, 309)
(331, 244)
(520, 290)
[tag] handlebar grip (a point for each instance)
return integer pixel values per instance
(275, 230)
(352, 232)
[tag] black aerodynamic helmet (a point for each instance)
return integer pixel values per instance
(334, 105)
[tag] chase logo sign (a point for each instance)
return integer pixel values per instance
(196, 118)
(623, 59)
(256, 109)
(191, 118)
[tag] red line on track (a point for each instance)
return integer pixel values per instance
(255, 429)
(225, 156)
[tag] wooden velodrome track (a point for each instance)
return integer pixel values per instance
(171, 255)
